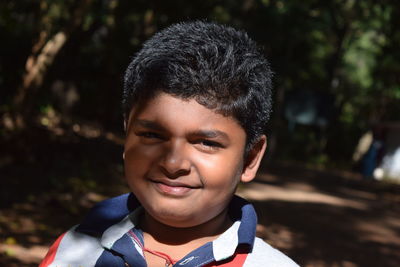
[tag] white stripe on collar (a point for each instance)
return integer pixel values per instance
(225, 245)
(116, 231)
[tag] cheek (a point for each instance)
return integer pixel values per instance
(138, 159)
(220, 171)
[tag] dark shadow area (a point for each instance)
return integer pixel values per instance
(48, 182)
(40, 162)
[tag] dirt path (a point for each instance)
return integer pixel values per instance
(317, 218)
(326, 219)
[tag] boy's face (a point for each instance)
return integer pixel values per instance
(182, 160)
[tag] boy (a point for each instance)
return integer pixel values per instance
(196, 99)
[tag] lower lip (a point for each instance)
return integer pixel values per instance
(173, 190)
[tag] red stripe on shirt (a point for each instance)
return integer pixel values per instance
(51, 254)
(237, 261)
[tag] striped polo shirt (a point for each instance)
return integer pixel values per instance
(108, 238)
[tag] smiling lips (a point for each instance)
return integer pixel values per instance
(173, 188)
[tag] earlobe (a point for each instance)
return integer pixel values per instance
(254, 159)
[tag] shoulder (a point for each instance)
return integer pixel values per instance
(83, 244)
(72, 249)
(265, 255)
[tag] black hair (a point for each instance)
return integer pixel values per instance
(218, 66)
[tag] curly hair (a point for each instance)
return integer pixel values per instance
(216, 65)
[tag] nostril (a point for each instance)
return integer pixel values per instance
(174, 174)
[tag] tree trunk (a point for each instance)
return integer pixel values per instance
(35, 71)
(38, 64)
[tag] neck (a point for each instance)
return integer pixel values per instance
(175, 236)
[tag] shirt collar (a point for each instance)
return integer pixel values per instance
(241, 233)
(107, 213)
(113, 218)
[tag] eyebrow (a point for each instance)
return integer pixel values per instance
(148, 124)
(210, 134)
(203, 133)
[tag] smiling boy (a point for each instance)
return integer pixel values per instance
(196, 100)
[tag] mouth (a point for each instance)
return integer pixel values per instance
(173, 188)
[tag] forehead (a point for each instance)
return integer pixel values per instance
(180, 113)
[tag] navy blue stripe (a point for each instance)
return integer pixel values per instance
(109, 258)
(198, 257)
(126, 248)
(241, 209)
(106, 213)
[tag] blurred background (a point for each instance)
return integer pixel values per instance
(328, 192)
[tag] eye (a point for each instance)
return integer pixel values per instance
(149, 135)
(209, 145)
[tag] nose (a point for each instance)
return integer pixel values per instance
(175, 162)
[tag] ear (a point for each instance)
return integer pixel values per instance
(253, 160)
